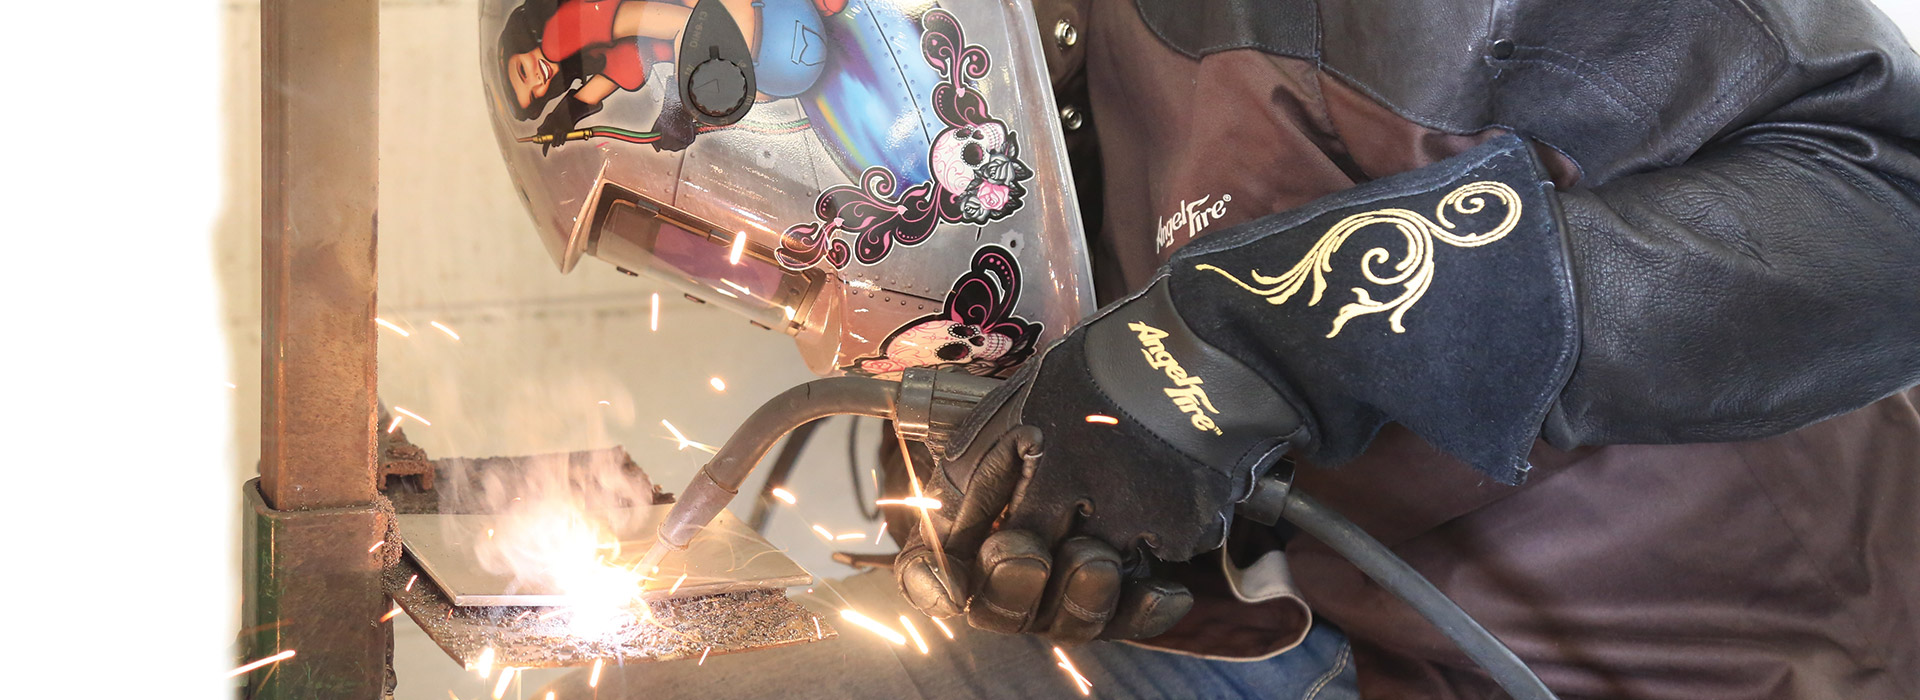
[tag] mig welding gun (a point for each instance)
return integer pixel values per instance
(1148, 428)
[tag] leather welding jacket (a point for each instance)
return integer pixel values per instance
(1733, 506)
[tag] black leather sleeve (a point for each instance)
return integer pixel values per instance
(1771, 281)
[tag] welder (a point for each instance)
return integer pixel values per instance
(1631, 380)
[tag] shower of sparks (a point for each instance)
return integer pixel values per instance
(1079, 681)
(717, 384)
(850, 536)
(944, 629)
(390, 614)
(375, 546)
(676, 585)
(926, 502)
(824, 534)
(410, 581)
(684, 442)
(739, 246)
(784, 495)
(873, 626)
(411, 414)
(653, 322)
(593, 681)
(394, 424)
(444, 329)
(276, 658)
(484, 664)
(1097, 418)
(506, 679)
(389, 324)
(703, 656)
(882, 533)
(914, 632)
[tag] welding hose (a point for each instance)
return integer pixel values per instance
(1393, 574)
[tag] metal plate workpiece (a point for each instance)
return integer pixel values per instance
(527, 637)
(726, 557)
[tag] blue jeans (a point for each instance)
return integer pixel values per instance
(975, 664)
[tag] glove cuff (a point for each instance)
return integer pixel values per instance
(1458, 320)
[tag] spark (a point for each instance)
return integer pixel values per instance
(1079, 681)
(727, 294)
(717, 384)
(411, 414)
(926, 502)
(684, 442)
(739, 246)
(676, 585)
(784, 495)
(389, 324)
(736, 285)
(394, 424)
(606, 403)
(506, 679)
(944, 629)
(914, 632)
(926, 515)
(375, 546)
(816, 625)
(883, 532)
(1097, 418)
(489, 533)
(549, 695)
(873, 626)
(824, 534)
(451, 695)
(410, 581)
(703, 656)
(231, 385)
(484, 664)
(444, 329)
(790, 313)
(390, 614)
(593, 681)
(276, 658)
(653, 323)
(850, 536)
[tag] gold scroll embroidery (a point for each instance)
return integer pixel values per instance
(1414, 273)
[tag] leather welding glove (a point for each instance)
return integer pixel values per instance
(1131, 439)
(565, 116)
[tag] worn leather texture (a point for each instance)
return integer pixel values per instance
(1713, 137)
(1403, 300)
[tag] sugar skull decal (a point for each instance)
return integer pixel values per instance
(975, 332)
(974, 162)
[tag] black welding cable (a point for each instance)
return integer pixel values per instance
(1380, 564)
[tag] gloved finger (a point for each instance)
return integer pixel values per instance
(1083, 591)
(1148, 608)
(995, 481)
(922, 583)
(1014, 565)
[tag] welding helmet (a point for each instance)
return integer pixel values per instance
(884, 180)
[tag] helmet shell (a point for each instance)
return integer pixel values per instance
(900, 174)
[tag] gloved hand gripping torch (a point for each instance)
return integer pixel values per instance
(930, 406)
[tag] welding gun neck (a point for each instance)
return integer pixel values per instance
(720, 479)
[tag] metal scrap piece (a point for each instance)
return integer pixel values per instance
(538, 637)
(724, 557)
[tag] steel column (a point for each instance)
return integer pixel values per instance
(313, 585)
